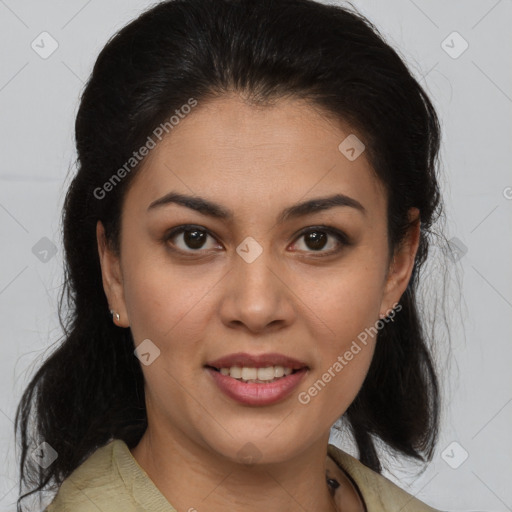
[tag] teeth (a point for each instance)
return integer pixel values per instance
(248, 374)
(278, 371)
(266, 373)
(235, 372)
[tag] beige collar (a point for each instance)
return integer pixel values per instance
(378, 493)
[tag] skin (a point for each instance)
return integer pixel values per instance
(201, 304)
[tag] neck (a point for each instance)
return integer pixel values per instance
(194, 478)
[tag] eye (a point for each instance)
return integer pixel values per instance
(189, 238)
(194, 239)
(316, 238)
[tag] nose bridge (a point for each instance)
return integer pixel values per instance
(255, 296)
(253, 271)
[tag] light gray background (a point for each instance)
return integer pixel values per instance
(473, 94)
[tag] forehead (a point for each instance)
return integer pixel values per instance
(245, 154)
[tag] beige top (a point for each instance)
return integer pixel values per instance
(111, 480)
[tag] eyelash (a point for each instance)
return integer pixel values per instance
(341, 237)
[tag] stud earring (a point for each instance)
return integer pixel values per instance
(113, 313)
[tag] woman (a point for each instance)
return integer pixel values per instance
(255, 194)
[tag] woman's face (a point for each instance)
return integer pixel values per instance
(251, 276)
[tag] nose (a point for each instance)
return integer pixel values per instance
(256, 296)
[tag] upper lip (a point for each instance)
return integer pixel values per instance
(256, 361)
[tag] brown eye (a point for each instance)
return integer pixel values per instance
(194, 239)
(189, 239)
(315, 239)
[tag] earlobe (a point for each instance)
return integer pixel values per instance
(112, 278)
(402, 264)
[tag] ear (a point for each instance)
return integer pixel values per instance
(112, 278)
(402, 264)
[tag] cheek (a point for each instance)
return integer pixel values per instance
(341, 370)
(347, 300)
(161, 298)
(171, 310)
(343, 363)
(348, 305)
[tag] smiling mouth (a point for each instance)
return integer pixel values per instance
(253, 375)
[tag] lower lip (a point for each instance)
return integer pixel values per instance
(251, 393)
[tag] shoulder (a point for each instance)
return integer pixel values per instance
(378, 492)
(99, 483)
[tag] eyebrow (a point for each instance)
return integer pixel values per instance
(207, 207)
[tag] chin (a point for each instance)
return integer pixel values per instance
(258, 448)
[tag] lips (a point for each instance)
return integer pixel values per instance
(234, 375)
(256, 361)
